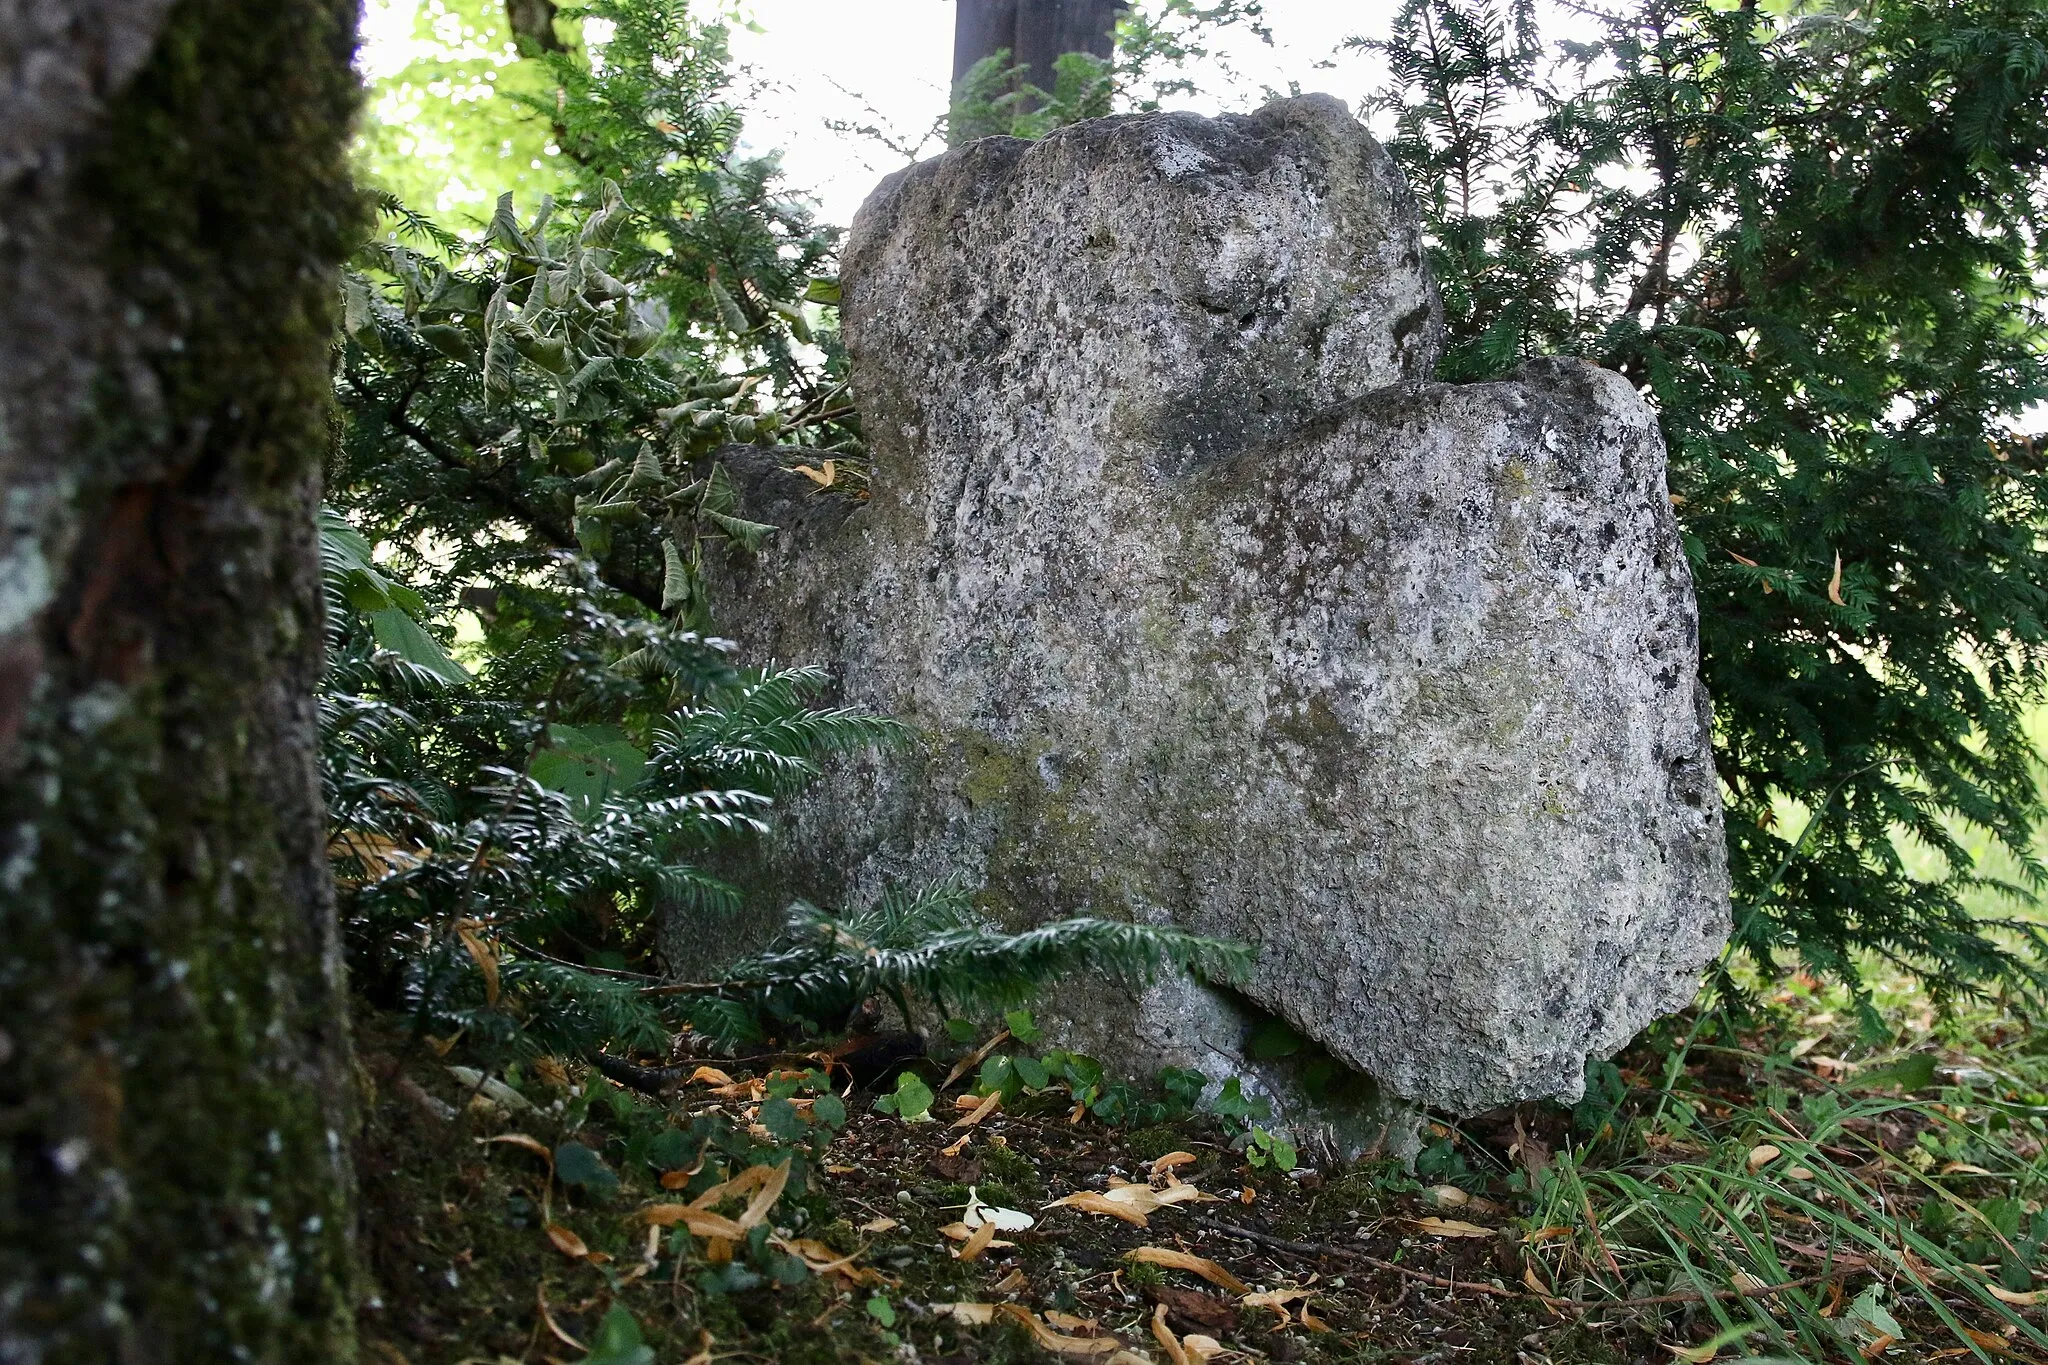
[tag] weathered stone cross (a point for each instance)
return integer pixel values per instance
(1210, 608)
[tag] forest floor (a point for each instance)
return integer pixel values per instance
(1776, 1192)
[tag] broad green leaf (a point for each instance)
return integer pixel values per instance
(402, 635)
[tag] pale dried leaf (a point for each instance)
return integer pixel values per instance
(988, 1106)
(2024, 1299)
(968, 1314)
(567, 1242)
(1761, 1155)
(1449, 1227)
(1163, 1334)
(1198, 1265)
(978, 1242)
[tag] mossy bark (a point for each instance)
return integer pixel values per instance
(174, 1068)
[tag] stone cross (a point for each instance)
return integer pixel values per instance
(1210, 608)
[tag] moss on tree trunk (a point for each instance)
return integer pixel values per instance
(174, 1069)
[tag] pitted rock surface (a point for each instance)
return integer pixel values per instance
(1210, 609)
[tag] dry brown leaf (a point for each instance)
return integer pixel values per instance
(709, 1075)
(771, 1189)
(1694, 1355)
(973, 1060)
(540, 1296)
(486, 960)
(1990, 1341)
(1198, 1265)
(704, 1343)
(968, 1314)
(1742, 559)
(1761, 1155)
(700, 1222)
(832, 1168)
(1163, 1334)
(879, 1225)
(1962, 1168)
(1069, 1322)
(567, 1242)
(1053, 1341)
(1546, 1234)
(1835, 583)
(1163, 1164)
(1449, 1227)
(1202, 1349)
(1088, 1201)
(1016, 1279)
(534, 1145)
(2023, 1300)
(821, 477)
(1275, 1299)
(958, 1147)
(1311, 1321)
(1878, 1347)
(1245, 1195)
(551, 1072)
(718, 1250)
(960, 1232)
(982, 1110)
(978, 1242)
(1448, 1196)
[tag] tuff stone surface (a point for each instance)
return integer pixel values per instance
(1210, 609)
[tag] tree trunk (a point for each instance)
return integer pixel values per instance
(174, 1066)
(1036, 32)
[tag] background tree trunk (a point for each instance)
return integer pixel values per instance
(1035, 31)
(174, 1067)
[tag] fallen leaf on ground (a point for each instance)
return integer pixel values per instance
(700, 1222)
(973, 1059)
(567, 1242)
(1162, 1165)
(1053, 1341)
(1016, 1279)
(1163, 1334)
(540, 1295)
(534, 1145)
(2023, 1300)
(1199, 1265)
(1088, 1201)
(1068, 1322)
(1203, 1349)
(970, 1314)
(1311, 1321)
(978, 1242)
(1448, 1196)
(1449, 1227)
(960, 1232)
(879, 1225)
(982, 1110)
(1761, 1155)
(1275, 1299)
(1193, 1308)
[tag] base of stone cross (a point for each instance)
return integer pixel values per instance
(1208, 608)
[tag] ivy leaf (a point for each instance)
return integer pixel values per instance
(576, 1164)
(619, 1341)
